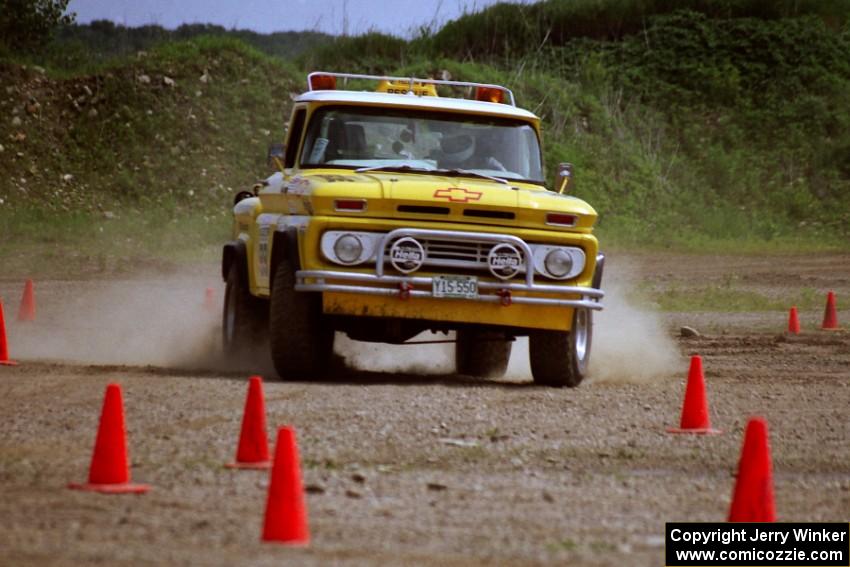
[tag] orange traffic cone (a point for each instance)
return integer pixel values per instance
(109, 472)
(286, 511)
(209, 299)
(793, 322)
(26, 312)
(752, 500)
(4, 347)
(253, 450)
(695, 407)
(830, 317)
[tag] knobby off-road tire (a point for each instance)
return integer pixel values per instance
(244, 322)
(561, 358)
(478, 353)
(301, 344)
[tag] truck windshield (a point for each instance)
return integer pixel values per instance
(422, 141)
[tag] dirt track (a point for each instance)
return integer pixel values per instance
(449, 470)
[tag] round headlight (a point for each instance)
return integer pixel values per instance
(558, 263)
(348, 248)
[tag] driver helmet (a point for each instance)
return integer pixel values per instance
(458, 148)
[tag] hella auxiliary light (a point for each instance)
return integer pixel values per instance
(349, 248)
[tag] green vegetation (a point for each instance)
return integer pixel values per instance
(565, 544)
(708, 125)
(506, 31)
(43, 243)
(140, 159)
(28, 25)
(731, 297)
(722, 126)
(83, 45)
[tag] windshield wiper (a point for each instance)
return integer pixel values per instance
(409, 168)
(471, 174)
(392, 168)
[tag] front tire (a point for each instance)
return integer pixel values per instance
(243, 320)
(301, 342)
(560, 358)
(478, 353)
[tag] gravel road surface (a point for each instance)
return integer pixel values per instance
(405, 462)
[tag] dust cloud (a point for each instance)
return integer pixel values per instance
(411, 359)
(165, 321)
(629, 344)
(157, 321)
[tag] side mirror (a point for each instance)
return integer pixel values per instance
(274, 158)
(564, 178)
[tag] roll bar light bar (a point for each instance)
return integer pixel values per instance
(321, 80)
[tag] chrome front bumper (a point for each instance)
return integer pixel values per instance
(405, 287)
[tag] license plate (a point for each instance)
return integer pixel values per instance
(455, 286)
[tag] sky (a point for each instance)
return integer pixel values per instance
(397, 17)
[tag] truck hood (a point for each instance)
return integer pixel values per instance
(434, 198)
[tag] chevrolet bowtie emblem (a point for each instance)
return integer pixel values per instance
(457, 195)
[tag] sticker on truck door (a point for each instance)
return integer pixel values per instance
(263, 251)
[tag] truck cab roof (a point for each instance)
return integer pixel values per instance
(418, 102)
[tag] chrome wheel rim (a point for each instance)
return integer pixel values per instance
(580, 334)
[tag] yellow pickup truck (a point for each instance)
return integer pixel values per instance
(402, 205)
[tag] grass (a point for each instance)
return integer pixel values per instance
(182, 128)
(564, 545)
(147, 168)
(37, 243)
(725, 297)
(622, 235)
(507, 30)
(600, 546)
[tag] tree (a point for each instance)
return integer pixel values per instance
(28, 25)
